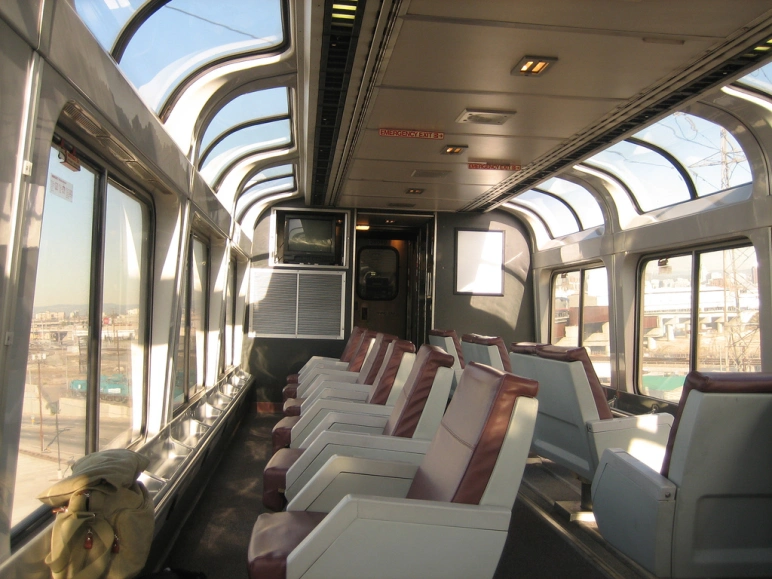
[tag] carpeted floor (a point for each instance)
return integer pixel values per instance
(215, 538)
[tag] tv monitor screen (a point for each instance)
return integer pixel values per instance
(307, 238)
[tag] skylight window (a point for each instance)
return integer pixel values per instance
(182, 36)
(653, 180)
(578, 198)
(106, 18)
(244, 142)
(553, 212)
(244, 108)
(708, 151)
(760, 79)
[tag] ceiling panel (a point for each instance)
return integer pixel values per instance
(678, 17)
(537, 116)
(402, 172)
(464, 57)
(514, 149)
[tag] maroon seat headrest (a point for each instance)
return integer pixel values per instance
(384, 381)
(463, 453)
(373, 362)
(354, 340)
(528, 348)
(715, 382)
(456, 343)
(491, 341)
(574, 354)
(355, 364)
(411, 401)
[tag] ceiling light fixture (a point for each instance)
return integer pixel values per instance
(533, 65)
(363, 228)
(484, 117)
(414, 191)
(454, 149)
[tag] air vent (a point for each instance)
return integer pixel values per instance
(429, 174)
(84, 121)
(342, 22)
(401, 205)
(117, 150)
(480, 117)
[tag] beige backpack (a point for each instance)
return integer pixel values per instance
(104, 518)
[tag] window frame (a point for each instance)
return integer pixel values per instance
(582, 271)
(694, 253)
(185, 307)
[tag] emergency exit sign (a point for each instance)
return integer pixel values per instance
(411, 134)
(495, 166)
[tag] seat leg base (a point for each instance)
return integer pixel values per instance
(573, 511)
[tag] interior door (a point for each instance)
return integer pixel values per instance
(381, 289)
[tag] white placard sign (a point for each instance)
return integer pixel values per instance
(479, 262)
(61, 188)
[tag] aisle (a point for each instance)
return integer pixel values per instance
(215, 538)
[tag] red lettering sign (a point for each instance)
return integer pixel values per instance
(411, 134)
(495, 166)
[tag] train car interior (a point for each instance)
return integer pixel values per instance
(427, 278)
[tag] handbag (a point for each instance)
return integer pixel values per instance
(104, 518)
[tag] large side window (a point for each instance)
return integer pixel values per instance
(580, 315)
(227, 337)
(700, 311)
(87, 354)
(191, 347)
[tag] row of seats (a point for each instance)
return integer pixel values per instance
(435, 505)
(684, 496)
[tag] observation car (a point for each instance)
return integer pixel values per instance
(197, 197)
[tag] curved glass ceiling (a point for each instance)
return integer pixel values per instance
(269, 187)
(270, 173)
(553, 212)
(708, 151)
(106, 18)
(760, 79)
(250, 106)
(185, 35)
(238, 144)
(653, 180)
(578, 198)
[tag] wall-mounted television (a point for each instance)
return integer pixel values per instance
(311, 238)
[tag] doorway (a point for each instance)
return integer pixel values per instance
(393, 268)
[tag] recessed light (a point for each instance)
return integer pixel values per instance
(414, 191)
(454, 149)
(534, 65)
(484, 117)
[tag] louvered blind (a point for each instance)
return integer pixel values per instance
(296, 304)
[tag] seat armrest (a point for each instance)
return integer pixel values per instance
(317, 412)
(336, 390)
(430, 539)
(644, 436)
(314, 379)
(344, 475)
(634, 508)
(313, 361)
(352, 444)
(346, 422)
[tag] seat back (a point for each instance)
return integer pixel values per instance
(488, 350)
(419, 407)
(358, 359)
(565, 406)
(374, 359)
(448, 341)
(395, 369)
(718, 455)
(579, 354)
(479, 452)
(354, 340)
